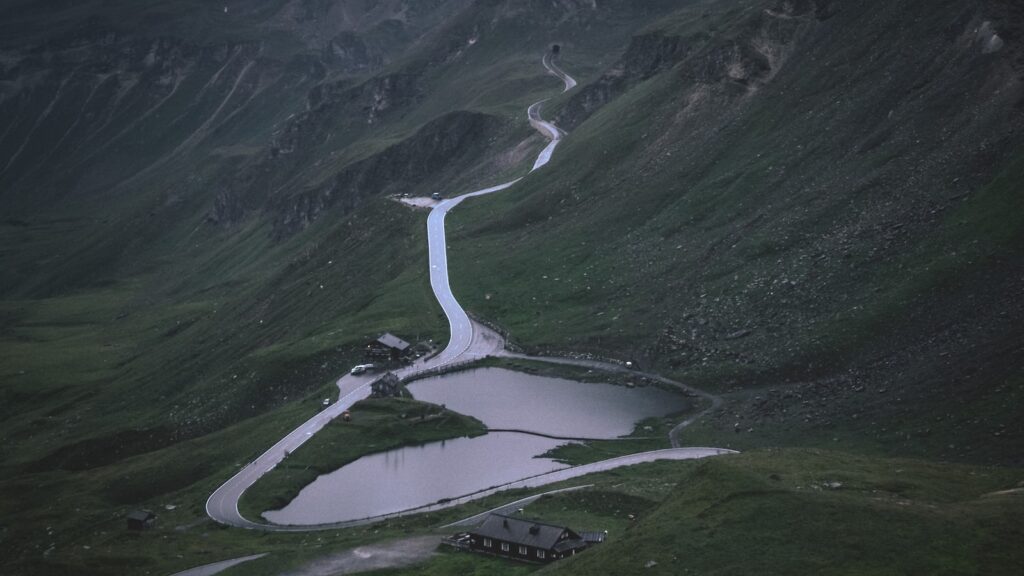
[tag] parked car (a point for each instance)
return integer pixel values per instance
(436, 195)
(359, 369)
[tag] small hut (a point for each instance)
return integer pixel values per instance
(387, 347)
(524, 540)
(387, 386)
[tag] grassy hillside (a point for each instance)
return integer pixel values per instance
(780, 511)
(159, 324)
(791, 511)
(786, 204)
(808, 208)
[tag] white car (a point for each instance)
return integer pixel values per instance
(359, 369)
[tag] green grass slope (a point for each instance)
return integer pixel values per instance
(808, 208)
(147, 346)
(809, 511)
(758, 199)
(780, 511)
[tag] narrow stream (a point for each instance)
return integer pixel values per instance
(415, 476)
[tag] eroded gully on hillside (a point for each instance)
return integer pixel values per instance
(469, 341)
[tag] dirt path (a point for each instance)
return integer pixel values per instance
(389, 554)
(215, 567)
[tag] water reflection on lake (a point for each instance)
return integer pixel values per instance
(410, 477)
(515, 400)
(416, 476)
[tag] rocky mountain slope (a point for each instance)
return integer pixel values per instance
(808, 207)
(196, 236)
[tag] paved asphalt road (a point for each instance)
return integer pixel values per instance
(554, 133)
(549, 63)
(512, 507)
(469, 341)
(546, 479)
(602, 466)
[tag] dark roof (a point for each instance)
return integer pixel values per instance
(388, 378)
(520, 531)
(392, 341)
(592, 537)
(569, 544)
(141, 515)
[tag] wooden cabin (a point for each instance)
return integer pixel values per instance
(387, 386)
(523, 539)
(387, 347)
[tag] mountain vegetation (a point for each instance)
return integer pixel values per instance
(809, 207)
(821, 223)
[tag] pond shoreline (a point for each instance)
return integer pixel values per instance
(548, 413)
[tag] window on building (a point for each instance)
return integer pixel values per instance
(540, 553)
(504, 546)
(487, 543)
(522, 550)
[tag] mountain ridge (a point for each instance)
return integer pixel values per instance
(810, 209)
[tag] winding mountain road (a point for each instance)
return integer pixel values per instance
(469, 341)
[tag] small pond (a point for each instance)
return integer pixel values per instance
(503, 399)
(409, 477)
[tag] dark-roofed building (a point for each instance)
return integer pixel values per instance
(387, 386)
(140, 520)
(523, 539)
(388, 346)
